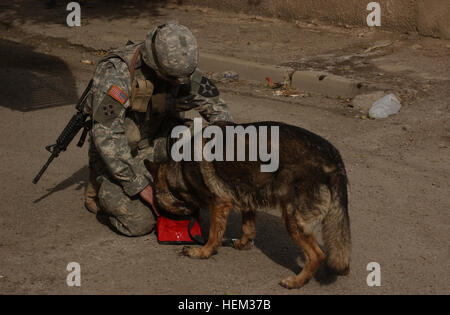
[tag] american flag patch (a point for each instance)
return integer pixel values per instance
(116, 93)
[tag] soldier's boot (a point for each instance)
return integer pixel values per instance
(91, 193)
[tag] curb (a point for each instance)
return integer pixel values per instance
(248, 70)
(306, 81)
(327, 84)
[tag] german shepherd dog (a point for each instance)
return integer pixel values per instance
(309, 187)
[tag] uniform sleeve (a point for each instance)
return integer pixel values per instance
(205, 98)
(110, 101)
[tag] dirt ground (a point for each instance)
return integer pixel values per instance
(399, 167)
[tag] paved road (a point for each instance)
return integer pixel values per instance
(45, 227)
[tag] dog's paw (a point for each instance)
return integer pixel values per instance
(239, 245)
(184, 251)
(196, 252)
(292, 283)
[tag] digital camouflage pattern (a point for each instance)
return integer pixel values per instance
(171, 49)
(129, 216)
(115, 157)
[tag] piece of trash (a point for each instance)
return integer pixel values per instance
(385, 106)
(278, 93)
(231, 75)
(288, 93)
(227, 76)
(284, 88)
(379, 44)
(87, 62)
(273, 85)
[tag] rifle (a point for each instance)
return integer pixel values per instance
(76, 123)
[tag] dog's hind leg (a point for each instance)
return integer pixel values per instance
(218, 221)
(248, 231)
(313, 256)
(319, 252)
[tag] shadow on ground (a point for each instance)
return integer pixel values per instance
(272, 237)
(31, 80)
(79, 178)
(273, 240)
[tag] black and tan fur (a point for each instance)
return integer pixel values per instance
(310, 188)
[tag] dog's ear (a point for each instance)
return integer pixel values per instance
(152, 168)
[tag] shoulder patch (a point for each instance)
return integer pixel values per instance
(116, 93)
(207, 88)
(108, 110)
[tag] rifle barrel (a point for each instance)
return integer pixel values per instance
(41, 172)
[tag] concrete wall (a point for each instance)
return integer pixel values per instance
(434, 18)
(428, 17)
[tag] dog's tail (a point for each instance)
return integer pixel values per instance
(336, 226)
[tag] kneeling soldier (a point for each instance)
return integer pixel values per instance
(138, 95)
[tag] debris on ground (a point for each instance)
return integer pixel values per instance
(227, 76)
(286, 84)
(231, 76)
(289, 93)
(273, 85)
(385, 106)
(87, 62)
(283, 89)
(101, 52)
(379, 44)
(363, 102)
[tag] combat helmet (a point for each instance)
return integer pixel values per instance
(172, 51)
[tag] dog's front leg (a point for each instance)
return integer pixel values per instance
(218, 221)
(248, 231)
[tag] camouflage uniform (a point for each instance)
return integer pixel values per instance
(123, 134)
